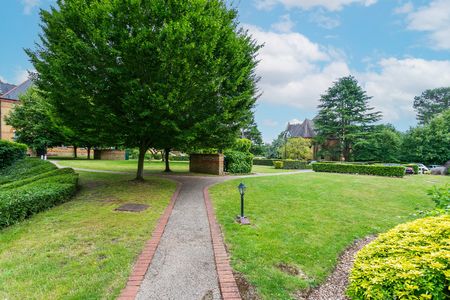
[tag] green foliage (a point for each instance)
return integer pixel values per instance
(345, 115)
(32, 119)
(31, 188)
(242, 145)
(179, 157)
(392, 171)
(441, 197)
(11, 152)
(263, 162)
(415, 168)
(295, 164)
(135, 68)
(430, 143)
(297, 148)
(272, 149)
(238, 162)
(278, 164)
(383, 144)
(431, 103)
(411, 261)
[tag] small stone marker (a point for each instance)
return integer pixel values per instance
(133, 207)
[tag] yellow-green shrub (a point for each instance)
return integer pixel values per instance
(411, 261)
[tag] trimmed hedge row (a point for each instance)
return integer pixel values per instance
(24, 193)
(238, 162)
(411, 261)
(289, 164)
(11, 152)
(391, 171)
(264, 162)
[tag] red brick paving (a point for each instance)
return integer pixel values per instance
(145, 258)
(227, 283)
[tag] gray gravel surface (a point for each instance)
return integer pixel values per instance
(336, 284)
(183, 266)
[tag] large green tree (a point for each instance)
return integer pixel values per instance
(382, 144)
(296, 148)
(429, 143)
(34, 123)
(431, 103)
(151, 73)
(345, 115)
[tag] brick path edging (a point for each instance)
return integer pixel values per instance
(145, 258)
(227, 283)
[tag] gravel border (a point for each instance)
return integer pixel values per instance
(336, 284)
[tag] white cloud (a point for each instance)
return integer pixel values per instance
(29, 5)
(2, 79)
(435, 20)
(405, 8)
(332, 5)
(321, 19)
(284, 25)
(295, 71)
(20, 76)
(295, 121)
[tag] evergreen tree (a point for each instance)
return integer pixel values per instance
(345, 115)
(431, 103)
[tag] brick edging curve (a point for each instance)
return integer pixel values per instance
(145, 258)
(228, 287)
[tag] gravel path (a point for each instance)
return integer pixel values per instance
(183, 266)
(336, 284)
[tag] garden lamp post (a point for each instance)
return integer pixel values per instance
(242, 219)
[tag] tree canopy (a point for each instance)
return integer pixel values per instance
(431, 103)
(149, 73)
(296, 148)
(345, 115)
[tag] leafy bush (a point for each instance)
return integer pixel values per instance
(392, 171)
(242, 145)
(11, 152)
(278, 164)
(25, 168)
(30, 186)
(179, 157)
(415, 168)
(411, 261)
(295, 164)
(441, 197)
(263, 162)
(238, 162)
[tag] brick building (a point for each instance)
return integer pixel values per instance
(9, 97)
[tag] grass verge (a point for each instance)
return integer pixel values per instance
(303, 222)
(82, 249)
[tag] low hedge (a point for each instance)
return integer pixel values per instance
(238, 162)
(391, 171)
(31, 186)
(278, 164)
(11, 152)
(411, 261)
(264, 162)
(295, 164)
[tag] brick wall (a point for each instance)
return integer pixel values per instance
(206, 163)
(66, 151)
(109, 154)
(6, 131)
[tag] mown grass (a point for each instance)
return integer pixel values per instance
(82, 249)
(307, 220)
(150, 167)
(269, 169)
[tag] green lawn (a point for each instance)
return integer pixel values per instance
(306, 220)
(82, 249)
(269, 169)
(125, 165)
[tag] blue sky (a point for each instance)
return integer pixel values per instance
(395, 48)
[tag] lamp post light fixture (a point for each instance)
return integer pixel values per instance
(242, 219)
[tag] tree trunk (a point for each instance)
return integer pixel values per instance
(141, 159)
(162, 155)
(166, 158)
(89, 152)
(75, 151)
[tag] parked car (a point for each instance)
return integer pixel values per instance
(422, 168)
(434, 166)
(409, 170)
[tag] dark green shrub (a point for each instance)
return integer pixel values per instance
(415, 168)
(32, 185)
(441, 197)
(179, 157)
(411, 261)
(278, 164)
(25, 168)
(295, 164)
(11, 152)
(238, 162)
(263, 162)
(392, 171)
(156, 156)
